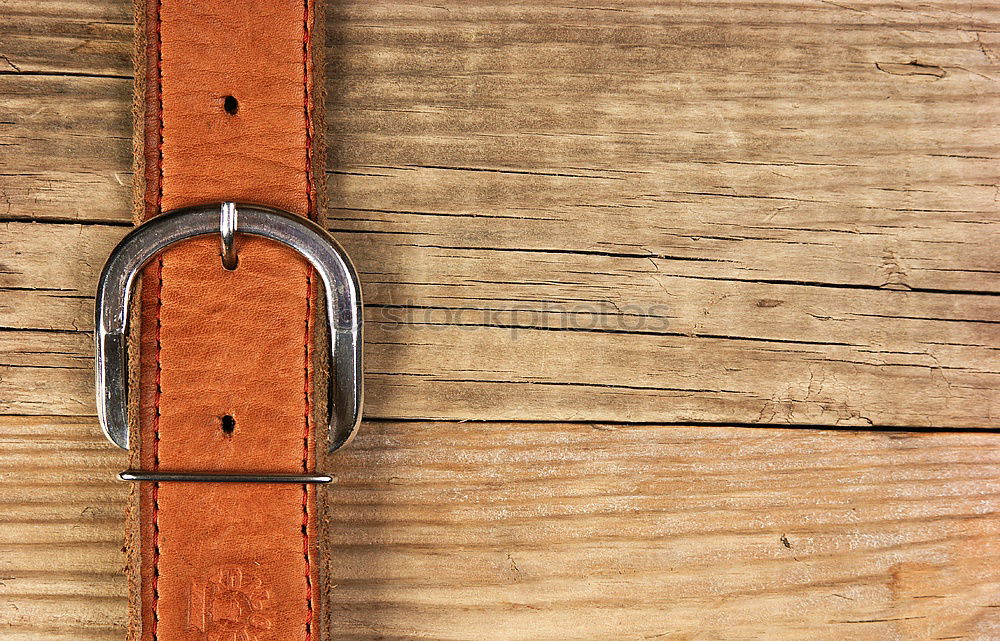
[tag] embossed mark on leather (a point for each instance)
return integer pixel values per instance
(229, 604)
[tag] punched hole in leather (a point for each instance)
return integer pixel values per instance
(228, 424)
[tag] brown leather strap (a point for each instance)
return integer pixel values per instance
(227, 111)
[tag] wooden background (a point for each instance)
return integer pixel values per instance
(682, 318)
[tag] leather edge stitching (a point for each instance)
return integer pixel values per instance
(159, 307)
(310, 214)
(156, 458)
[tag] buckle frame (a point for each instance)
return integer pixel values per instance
(315, 244)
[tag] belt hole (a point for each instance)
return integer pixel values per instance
(231, 105)
(228, 425)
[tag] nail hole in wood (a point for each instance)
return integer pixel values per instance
(231, 105)
(228, 425)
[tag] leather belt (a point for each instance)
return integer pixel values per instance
(223, 539)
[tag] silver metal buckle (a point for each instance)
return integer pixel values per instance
(343, 309)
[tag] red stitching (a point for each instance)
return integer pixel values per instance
(159, 96)
(305, 462)
(306, 43)
(306, 46)
(156, 457)
(159, 307)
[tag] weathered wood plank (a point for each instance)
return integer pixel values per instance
(597, 338)
(777, 212)
(68, 156)
(73, 37)
(554, 531)
(762, 154)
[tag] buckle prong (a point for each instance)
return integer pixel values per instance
(228, 221)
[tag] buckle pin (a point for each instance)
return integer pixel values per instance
(228, 221)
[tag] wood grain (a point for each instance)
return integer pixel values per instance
(599, 241)
(557, 531)
(628, 212)
(569, 350)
